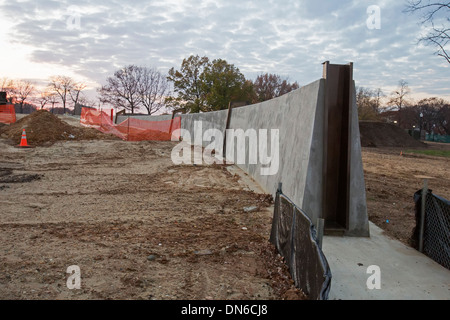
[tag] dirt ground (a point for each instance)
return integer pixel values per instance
(137, 226)
(391, 176)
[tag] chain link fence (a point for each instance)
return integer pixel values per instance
(436, 228)
(437, 138)
(295, 238)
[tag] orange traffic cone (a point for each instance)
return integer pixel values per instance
(23, 141)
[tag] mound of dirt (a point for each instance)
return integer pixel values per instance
(380, 134)
(43, 129)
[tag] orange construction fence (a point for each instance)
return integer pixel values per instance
(7, 113)
(130, 129)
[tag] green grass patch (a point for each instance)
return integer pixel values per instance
(435, 153)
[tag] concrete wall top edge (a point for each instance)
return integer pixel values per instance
(121, 118)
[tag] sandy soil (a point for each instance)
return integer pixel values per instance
(141, 228)
(137, 226)
(391, 181)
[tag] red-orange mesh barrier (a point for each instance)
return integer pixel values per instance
(99, 120)
(7, 113)
(90, 117)
(131, 129)
(140, 130)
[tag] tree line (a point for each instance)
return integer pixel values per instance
(199, 85)
(430, 114)
(60, 90)
(202, 85)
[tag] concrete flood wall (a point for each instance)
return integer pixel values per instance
(295, 115)
(301, 120)
(358, 217)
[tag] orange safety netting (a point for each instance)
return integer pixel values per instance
(131, 129)
(99, 120)
(7, 113)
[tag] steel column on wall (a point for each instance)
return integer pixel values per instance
(337, 146)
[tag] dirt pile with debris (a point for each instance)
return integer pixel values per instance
(44, 128)
(380, 134)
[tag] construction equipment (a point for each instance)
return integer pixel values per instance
(7, 112)
(3, 99)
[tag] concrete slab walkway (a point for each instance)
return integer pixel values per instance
(405, 273)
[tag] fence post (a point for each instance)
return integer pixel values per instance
(280, 187)
(422, 213)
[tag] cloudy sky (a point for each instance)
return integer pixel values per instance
(89, 40)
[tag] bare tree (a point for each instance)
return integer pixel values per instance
(43, 98)
(122, 90)
(399, 99)
(153, 89)
(85, 101)
(435, 15)
(53, 99)
(75, 92)
(378, 95)
(24, 88)
(61, 85)
(4, 83)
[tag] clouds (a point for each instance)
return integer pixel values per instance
(291, 38)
